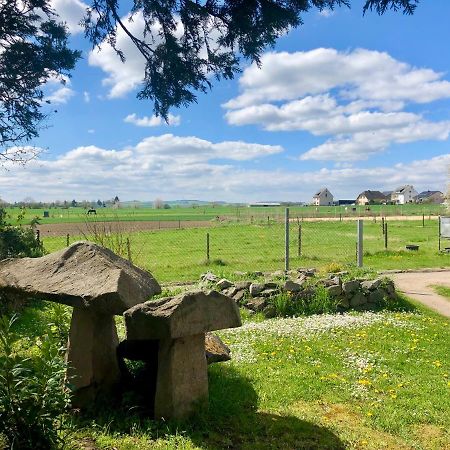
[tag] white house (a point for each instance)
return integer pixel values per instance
(323, 198)
(404, 194)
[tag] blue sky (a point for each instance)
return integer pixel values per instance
(345, 101)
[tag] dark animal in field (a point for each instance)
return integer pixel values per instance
(92, 211)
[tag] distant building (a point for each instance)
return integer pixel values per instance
(371, 198)
(345, 202)
(263, 204)
(404, 194)
(430, 197)
(323, 198)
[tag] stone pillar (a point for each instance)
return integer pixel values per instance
(182, 382)
(91, 355)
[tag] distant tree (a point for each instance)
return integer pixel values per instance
(99, 202)
(187, 43)
(158, 203)
(73, 203)
(33, 50)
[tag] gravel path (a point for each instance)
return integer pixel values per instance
(417, 285)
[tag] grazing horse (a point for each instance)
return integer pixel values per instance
(92, 211)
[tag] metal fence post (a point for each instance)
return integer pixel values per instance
(385, 235)
(360, 225)
(207, 247)
(68, 239)
(299, 240)
(286, 240)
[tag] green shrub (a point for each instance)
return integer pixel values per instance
(33, 397)
(16, 241)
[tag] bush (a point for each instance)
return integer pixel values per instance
(33, 396)
(16, 241)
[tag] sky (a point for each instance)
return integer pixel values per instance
(346, 101)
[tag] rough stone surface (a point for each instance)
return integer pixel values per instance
(91, 356)
(256, 304)
(242, 285)
(239, 296)
(376, 296)
(215, 349)
(83, 275)
(182, 380)
(358, 299)
(371, 284)
(349, 287)
(269, 292)
(270, 311)
(334, 290)
(256, 289)
(209, 276)
(186, 314)
(291, 286)
(224, 284)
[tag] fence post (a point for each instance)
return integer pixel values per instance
(129, 249)
(207, 247)
(286, 240)
(67, 240)
(385, 235)
(299, 240)
(423, 220)
(382, 225)
(360, 225)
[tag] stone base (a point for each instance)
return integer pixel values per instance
(91, 356)
(182, 382)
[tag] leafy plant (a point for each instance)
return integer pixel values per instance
(33, 396)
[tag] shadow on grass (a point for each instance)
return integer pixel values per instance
(232, 421)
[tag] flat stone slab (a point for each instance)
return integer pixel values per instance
(186, 314)
(84, 275)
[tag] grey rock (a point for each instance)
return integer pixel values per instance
(292, 286)
(209, 277)
(186, 314)
(269, 292)
(242, 285)
(256, 289)
(84, 275)
(256, 304)
(224, 284)
(344, 303)
(350, 287)
(215, 349)
(239, 296)
(371, 284)
(231, 291)
(334, 290)
(376, 296)
(270, 312)
(358, 299)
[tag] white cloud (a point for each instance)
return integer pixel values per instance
(58, 91)
(173, 167)
(71, 12)
(153, 121)
(357, 98)
(86, 97)
(327, 12)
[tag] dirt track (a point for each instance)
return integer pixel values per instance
(78, 229)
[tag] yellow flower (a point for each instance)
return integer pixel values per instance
(369, 414)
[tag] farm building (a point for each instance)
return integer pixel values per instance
(430, 197)
(323, 198)
(404, 194)
(371, 198)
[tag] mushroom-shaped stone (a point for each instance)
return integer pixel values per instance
(98, 284)
(179, 324)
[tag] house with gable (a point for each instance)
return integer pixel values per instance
(371, 198)
(430, 197)
(403, 194)
(323, 198)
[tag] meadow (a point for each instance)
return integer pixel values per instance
(372, 380)
(212, 212)
(182, 254)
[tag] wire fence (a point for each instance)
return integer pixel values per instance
(183, 252)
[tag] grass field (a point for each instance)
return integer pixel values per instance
(234, 213)
(443, 290)
(376, 380)
(175, 255)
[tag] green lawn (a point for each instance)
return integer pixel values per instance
(209, 212)
(358, 381)
(175, 255)
(443, 290)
